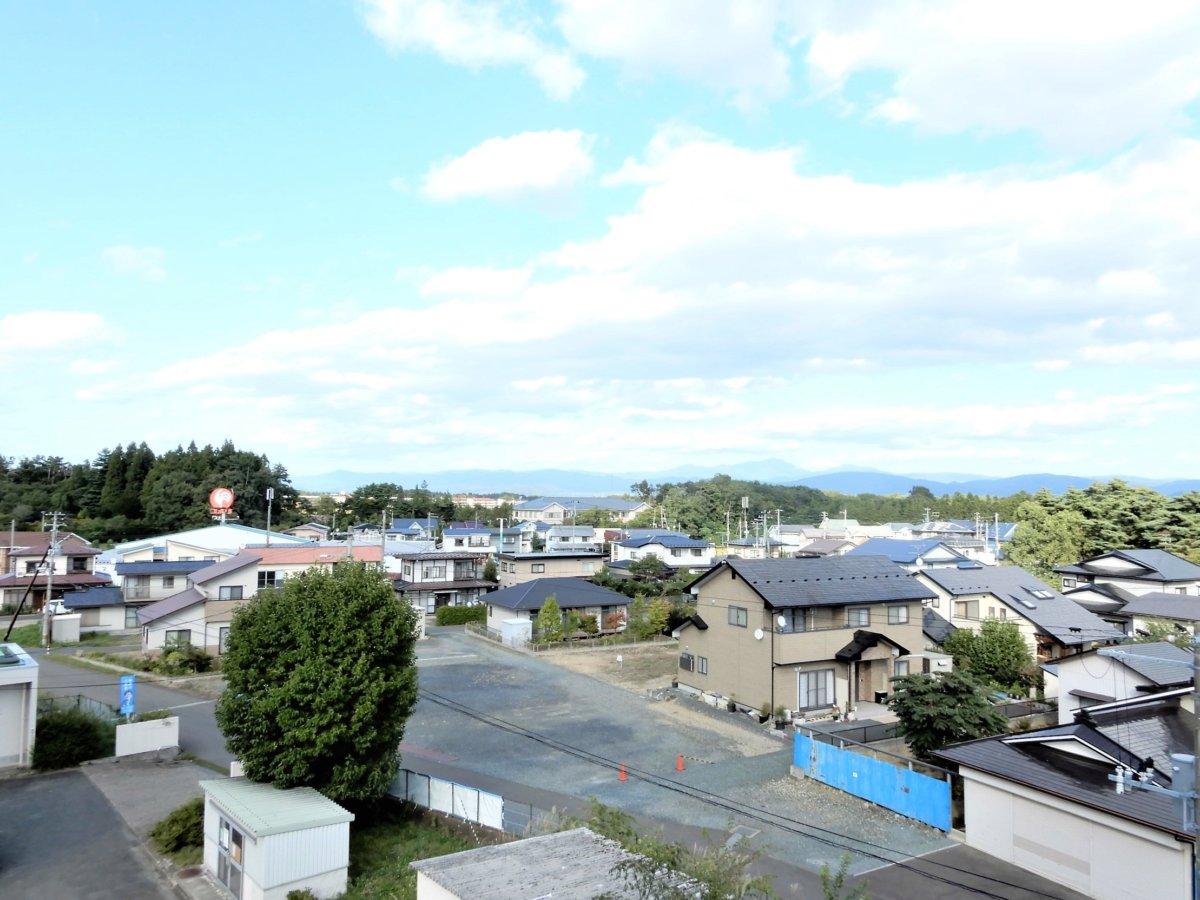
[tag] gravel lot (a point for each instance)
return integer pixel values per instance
(641, 668)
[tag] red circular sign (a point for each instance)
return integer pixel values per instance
(221, 498)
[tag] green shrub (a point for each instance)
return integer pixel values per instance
(182, 829)
(182, 659)
(588, 625)
(460, 615)
(300, 894)
(153, 714)
(67, 737)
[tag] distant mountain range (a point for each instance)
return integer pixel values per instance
(773, 471)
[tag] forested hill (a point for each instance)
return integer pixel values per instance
(130, 492)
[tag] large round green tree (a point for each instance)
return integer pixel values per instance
(321, 678)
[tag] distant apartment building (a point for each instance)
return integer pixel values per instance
(564, 510)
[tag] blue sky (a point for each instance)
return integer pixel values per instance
(431, 234)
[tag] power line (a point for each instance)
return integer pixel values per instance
(792, 825)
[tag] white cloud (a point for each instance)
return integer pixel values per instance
(531, 163)
(1051, 365)
(1130, 283)
(727, 45)
(145, 263)
(36, 330)
(960, 65)
(477, 281)
(474, 35)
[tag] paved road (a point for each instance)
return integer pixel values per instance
(60, 837)
(198, 732)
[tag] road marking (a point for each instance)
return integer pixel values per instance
(904, 858)
(422, 659)
(186, 705)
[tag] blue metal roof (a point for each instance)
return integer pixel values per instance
(163, 567)
(670, 541)
(92, 597)
(896, 549)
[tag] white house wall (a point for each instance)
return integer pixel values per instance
(1096, 674)
(296, 855)
(1100, 855)
(154, 635)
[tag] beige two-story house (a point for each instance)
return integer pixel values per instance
(517, 568)
(810, 635)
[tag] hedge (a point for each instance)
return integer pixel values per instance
(182, 829)
(67, 737)
(461, 615)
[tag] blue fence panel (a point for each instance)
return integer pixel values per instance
(901, 790)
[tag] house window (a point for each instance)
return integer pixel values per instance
(738, 616)
(131, 617)
(1181, 590)
(897, 615)
(537, 568)
(1003, 612)
(30, 568)
(408, 570)
(180, 637)
(231, 592)
(702, 665)
(1068, 583)
(858, 616)
(901, 668)
(186, 558)
(433, 572)
(815, 689)
(168, 581)
(270, 579)
(686, 661)
(78, 563)
(936, 602)
(222, 639)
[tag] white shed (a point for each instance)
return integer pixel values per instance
(261, 841)
(18, 705)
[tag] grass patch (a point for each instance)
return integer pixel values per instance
(382, 846)
(27, 635)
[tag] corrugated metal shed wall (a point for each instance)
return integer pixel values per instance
(298, 854)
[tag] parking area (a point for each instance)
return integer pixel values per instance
(57, 832)
(723, 756)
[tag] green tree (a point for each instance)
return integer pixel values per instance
(1177, 526)
(657, 616)
(489, 571)
(833, 884)
(1046, 538)
(649, 566)
(550, 621)
(997, 654)
(937, 710)
(321, 677)
(1155, 630)
(638, 621)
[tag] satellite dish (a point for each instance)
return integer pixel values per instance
(782, 622)
(758, 634)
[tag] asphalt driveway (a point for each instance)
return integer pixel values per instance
(60, 837)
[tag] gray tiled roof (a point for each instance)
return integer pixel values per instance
(1160, 662)
(167, 605)
(936, 628)
(216, 570)
(1149, 733)
(1161, 565)
(1055, 615)
(1163, 605)
(613, 504)
(92, 597)
(832, 581)
(670, 541)
(823, 546)
(569, 593)
(896, 549)
(1018, 760)
(163, 567)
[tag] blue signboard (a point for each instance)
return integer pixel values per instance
(128, 694)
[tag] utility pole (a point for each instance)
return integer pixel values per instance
(56, 519)
(270, 498)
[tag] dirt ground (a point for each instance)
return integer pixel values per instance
(646, 669)
(641, 668)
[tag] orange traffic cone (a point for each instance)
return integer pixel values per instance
(679, 767)
(622, 775)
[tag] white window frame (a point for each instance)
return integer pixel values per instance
(739, 617)
(897, 615)
(537, 568)
(226, 592)
(701, 665)
(806, 690)
(853, 616)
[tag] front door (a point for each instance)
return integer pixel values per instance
(862, 689)
(441, 599)
(231, 846)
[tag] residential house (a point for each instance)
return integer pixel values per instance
(214, 543)
(72, 567)
(524, 601)
(29, 541)
(511, 539)
(572, 539)
(441, 578)
(675, 550)
(755, 548)
(1043, 800)
(517, 568)
(1120, 673)
(100, 608)
(1135, 571)
(1052, 625)
(200, 613)
(419, 529)
(142, 583)
(1134, 613)
(559, 510)
(309, 531)
(912, 555)
(577, 864)
(943, 528)
(480, 500)
(811, 635)
(469, 537)
(794, 536)
(822, 547)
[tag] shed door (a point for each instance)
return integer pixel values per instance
(12, 724)
(231, 848)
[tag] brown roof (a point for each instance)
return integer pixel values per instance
(66, 548)
(314, 555)
(75, 579)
